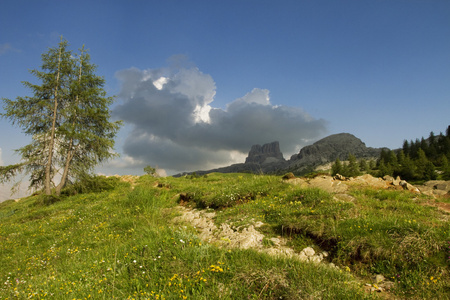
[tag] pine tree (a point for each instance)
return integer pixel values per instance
(345, 170)
(364, 166)
(407, 170)
(384, 156)
(385, 169)
(67, 118)
(38, 114)
(429, 172)
(445, 168)
(336, 168)
(353, 167)
(393, 161)
(422, 164)
(406, 147)
(401, 157)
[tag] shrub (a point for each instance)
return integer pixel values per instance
(91, 184)
(289, 175)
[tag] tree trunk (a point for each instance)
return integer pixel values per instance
(71, 150)
(66, 170)
(48, 168)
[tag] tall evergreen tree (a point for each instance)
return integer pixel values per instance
(363, 165)
(67, 118)
(444, 144)
(445, 168)
(424, 145)
(392, 160)
(401, 157)
(38, 115)
(407, 169)
(422, 165)
(353, 167)
(432, 139)
(406, 147)
(385, 169)
(336, 168)
(88, 133)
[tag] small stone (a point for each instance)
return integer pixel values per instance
(378, 278)
(309, 251)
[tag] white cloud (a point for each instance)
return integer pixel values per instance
(176, 126)
(7, 47)
(159, 83)
(258, 96)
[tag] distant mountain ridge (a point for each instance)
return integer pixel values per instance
(269, 159)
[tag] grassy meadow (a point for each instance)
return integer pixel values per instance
(114, 240)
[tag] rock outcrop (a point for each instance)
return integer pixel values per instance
(332, 147)
(248, 237)
(435, 188)
(339, 185)
(267, 153)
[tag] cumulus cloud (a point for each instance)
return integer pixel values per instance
(176, 126)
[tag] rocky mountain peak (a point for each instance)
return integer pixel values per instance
(266, 153)
(334, 146)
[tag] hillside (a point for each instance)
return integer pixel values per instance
(226, 236)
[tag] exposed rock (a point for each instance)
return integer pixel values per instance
(391, 180)
(328, 184)
(339, 186)
(332, 147)
(378, 278)
(298, 181)
(340, 177)
(369, 180)
(344, 198)
(379, 284)
(247, 238)
(435, 188)
(409, 187)
(267, 153)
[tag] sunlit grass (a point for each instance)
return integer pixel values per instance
(120, 244)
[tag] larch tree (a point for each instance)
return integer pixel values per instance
(67, 118)
(88, 134)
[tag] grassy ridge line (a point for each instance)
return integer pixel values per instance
(118, 244)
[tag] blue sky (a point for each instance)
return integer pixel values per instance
(236, 73)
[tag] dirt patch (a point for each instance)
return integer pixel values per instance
(443, 206)
(439, 205)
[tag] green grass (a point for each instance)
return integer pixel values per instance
(119, 243)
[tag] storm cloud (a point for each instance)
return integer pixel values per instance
(175, 125)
